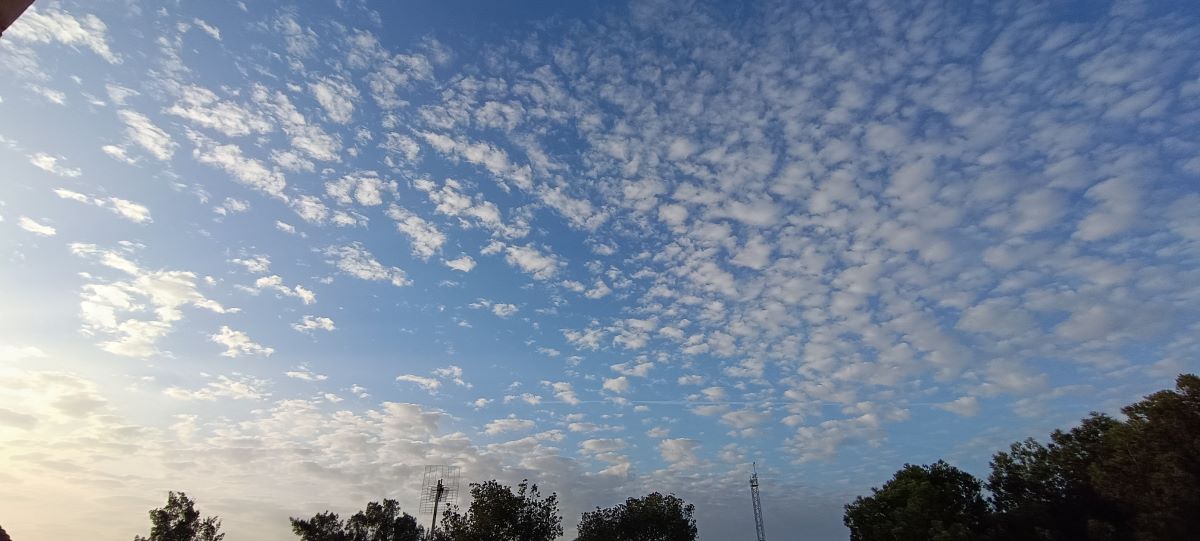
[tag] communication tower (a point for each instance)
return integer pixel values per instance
(758, 522)
(440, 484)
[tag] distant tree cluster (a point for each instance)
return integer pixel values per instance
(496, 513)
(1105, 480)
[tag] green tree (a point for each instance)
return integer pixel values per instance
(321, 527)
(921, 503)
(1151, 463)
(497, 514)
(652, 518)
(1045, 492)
(378, 522)
(180, 521)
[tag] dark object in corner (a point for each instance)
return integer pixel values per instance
(10, 10)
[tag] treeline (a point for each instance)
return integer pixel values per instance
(1105, 480)
(496, 513)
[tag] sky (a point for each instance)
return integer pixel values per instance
(281, 256)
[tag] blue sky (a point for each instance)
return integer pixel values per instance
(281, 256)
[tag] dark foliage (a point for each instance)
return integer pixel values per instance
(1151, 463)
(1105, 480)
(378, 522)
(498, 514)
(1045, 492)
(652, 518)
(180, 521)
(4, 535)
(921, 503)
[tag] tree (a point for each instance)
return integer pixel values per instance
(1151, 463)
(4, 535)
(652, 518)
(378, 522)
(497, 514)
(1046, 492)
(921, 503)
(321, 527)
(180, 521)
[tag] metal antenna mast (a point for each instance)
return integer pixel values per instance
(440, 484)
(758, 522)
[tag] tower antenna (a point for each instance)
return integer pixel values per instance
(758, 521)
(440, 484)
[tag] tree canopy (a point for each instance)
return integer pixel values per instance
(1043, 492)
(1150, 465)
(1104, 480)
(937, 502)
(4, 535)
(652, 518)
(179, 520)
(497, 513)
(378, 522)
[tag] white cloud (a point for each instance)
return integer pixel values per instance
(238, 387)
(528, 398)
(275, 282)
(310, 209)
(310, 139)
(755, 254)
(204, 108)
(32, 226)
(429, 384)
(259, 264)
(356, 261)
(238, 343)
(618, 385)
(640, 369)
(41, 25)
(599, 291)
(248, 171)
(50, 164)
(313, 323)
(117, 308)
(745, 418)
(426, 239)
(364, 187)
(452, 373)
(337, 96)
(533, 262)
(508, 424)
(124, 208)
(209, 29)
(966, 406)
(461, 264)
(563, 391)
(693, 379)
(679, 453)
(1117, 206)
(142, 131)
(494, 160)
(504, 310)
(304, 373)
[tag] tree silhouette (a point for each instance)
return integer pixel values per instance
(180, 521)
(1104, 480)
(4, 535)
(652, 518)
(378, 522)
(1046, 492)
(497, 514)
(921, 503)
(1151, 463)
